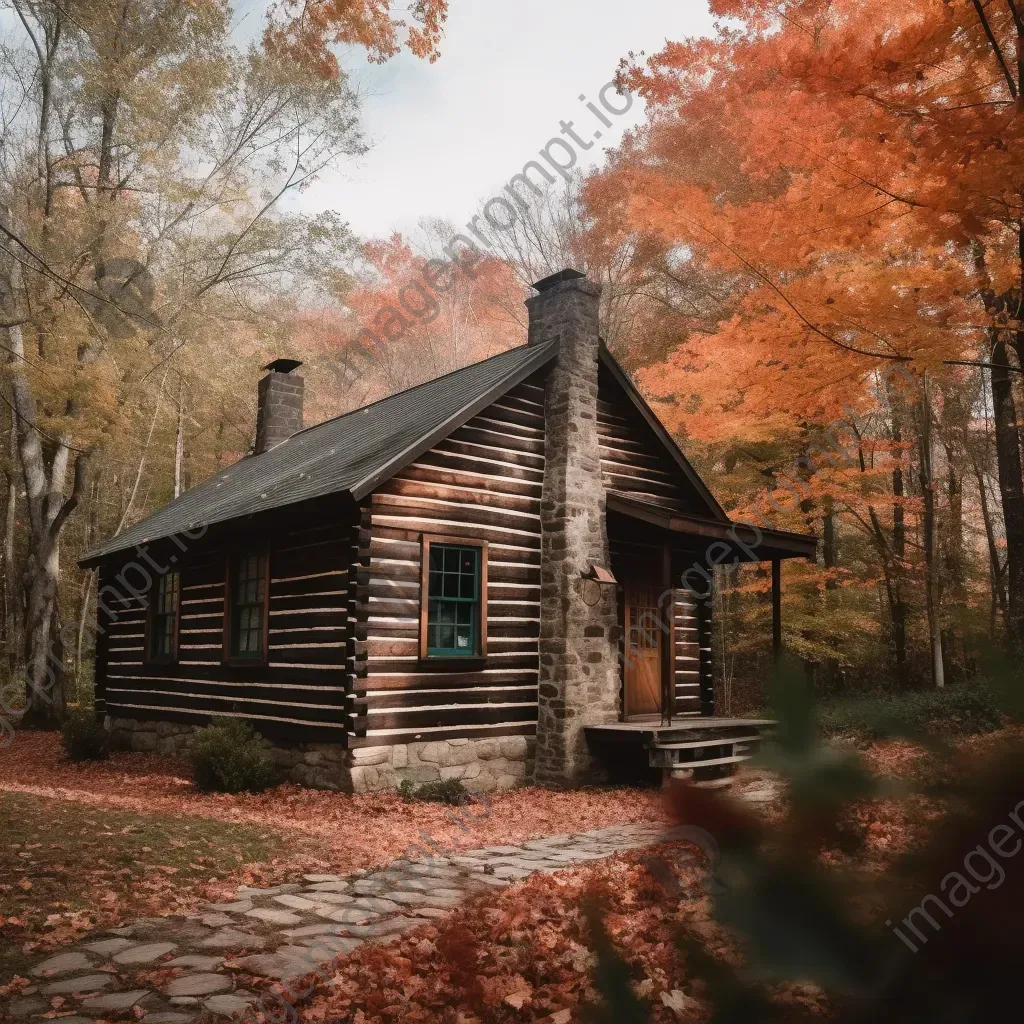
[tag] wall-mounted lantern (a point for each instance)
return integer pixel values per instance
(599, 576)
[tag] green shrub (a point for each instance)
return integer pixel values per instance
(230, 758)
(447, 791)
(954, 710)
(83, 737)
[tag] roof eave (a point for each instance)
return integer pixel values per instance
(776, 543)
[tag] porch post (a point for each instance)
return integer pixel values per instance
(776, 609)
(667, 613)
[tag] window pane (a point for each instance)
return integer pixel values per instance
(248, 591)
(453, 599)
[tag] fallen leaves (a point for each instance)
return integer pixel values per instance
(523, 954)
(93, 844)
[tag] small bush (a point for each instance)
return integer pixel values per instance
(953, 710)
(447, 791)
(83, 737)
(230, 758)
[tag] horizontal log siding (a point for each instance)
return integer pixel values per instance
(300, 692)
(686, 666)
(483, 482)
(633, 459)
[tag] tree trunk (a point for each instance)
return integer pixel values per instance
(179, 439)
(897, 604)
(1011, 486)
(933, 593)
(12, 594)
(44, 473)
(995, 566)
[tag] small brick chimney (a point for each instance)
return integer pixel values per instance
(279, 410)
(579, 680)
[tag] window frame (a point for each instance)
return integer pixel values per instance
(229, 655)
(479, 655)
(151, 614)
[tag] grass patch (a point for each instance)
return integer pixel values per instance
(66, 867)
(960, 710)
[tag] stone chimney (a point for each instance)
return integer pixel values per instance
(279, 410)
(579, 667)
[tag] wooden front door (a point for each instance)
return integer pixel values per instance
(642, 672)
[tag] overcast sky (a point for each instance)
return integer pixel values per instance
(449, 134)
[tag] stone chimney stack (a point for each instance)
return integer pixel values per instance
(579, 667)
(279, 411)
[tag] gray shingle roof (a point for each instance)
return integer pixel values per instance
(352, 453)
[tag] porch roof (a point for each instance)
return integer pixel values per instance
(763, 546)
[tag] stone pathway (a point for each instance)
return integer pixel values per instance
(170, 970)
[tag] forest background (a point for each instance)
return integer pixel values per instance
(812, 261)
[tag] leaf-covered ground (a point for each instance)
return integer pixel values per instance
(525, 954)
(528, 953)
(89, 845)
(66, 868)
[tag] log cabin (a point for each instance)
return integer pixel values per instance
(501, 575)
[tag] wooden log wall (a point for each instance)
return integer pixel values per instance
(482, 482)
(299, 693)
(687, 663)
(704, 635)
(633, 459)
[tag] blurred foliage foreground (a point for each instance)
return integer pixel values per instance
(937, 936)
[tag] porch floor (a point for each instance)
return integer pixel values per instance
(653, 724)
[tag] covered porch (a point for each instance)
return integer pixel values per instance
(663, 563)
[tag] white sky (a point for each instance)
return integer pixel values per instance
(449, 134)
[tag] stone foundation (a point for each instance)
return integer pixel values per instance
(481, 765)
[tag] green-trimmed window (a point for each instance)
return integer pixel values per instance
(248, 605)
(163, 622)
(454, 590)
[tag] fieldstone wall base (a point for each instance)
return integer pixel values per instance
(482, 765)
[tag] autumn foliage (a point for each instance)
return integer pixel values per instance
(831, 191)
(307, 29)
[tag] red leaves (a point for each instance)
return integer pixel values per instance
(520, 955)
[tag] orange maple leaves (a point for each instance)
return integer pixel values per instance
(306, 30)
(853, 167)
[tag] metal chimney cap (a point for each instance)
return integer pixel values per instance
(283, 365)
(563, 275)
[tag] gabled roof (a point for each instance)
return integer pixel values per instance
(608, 361)
(357, 452)
(353, 453)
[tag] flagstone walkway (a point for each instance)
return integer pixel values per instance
(171, 970)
